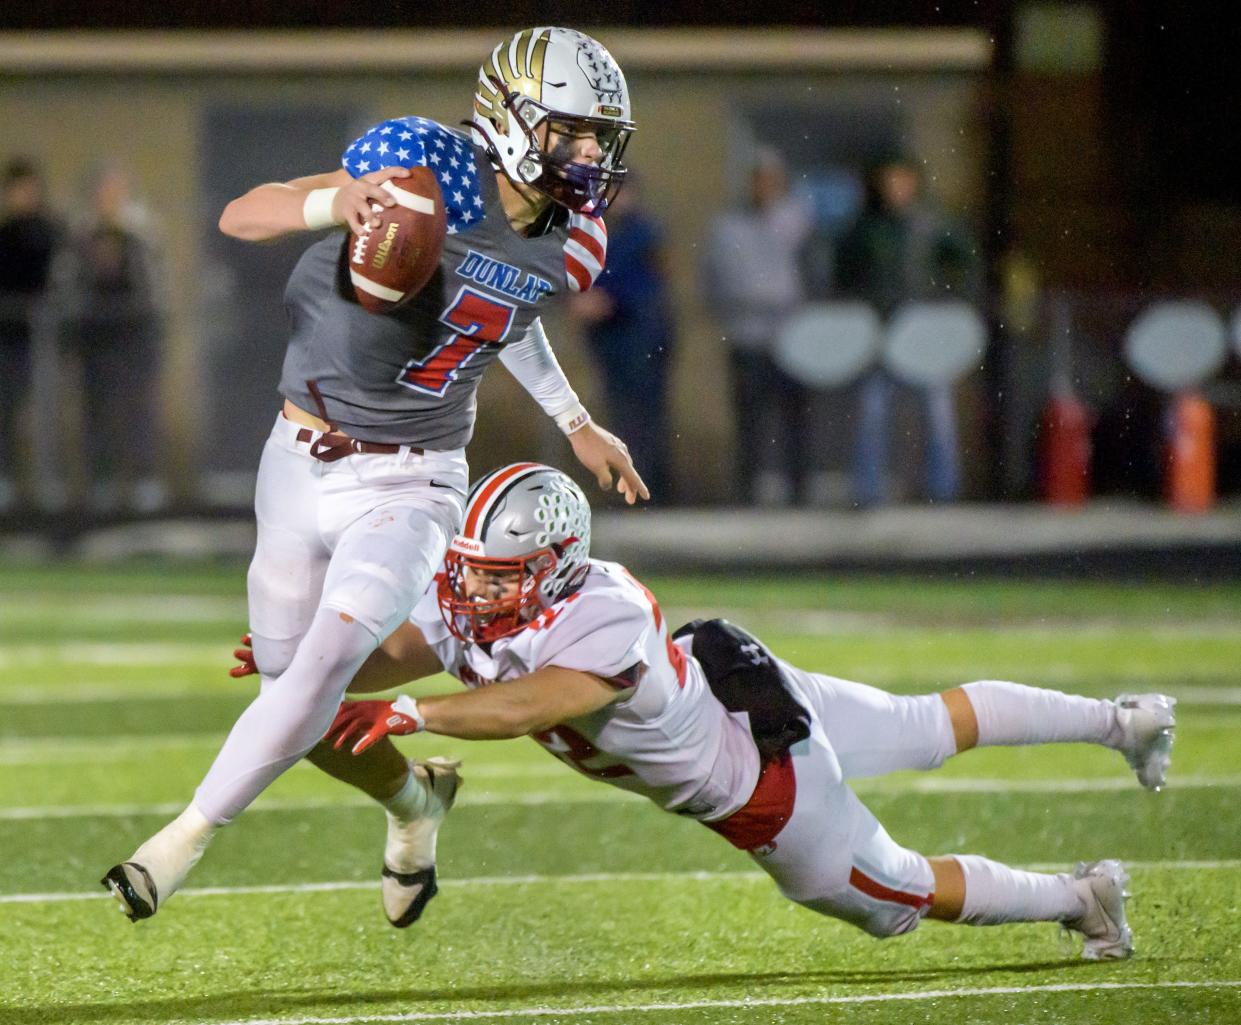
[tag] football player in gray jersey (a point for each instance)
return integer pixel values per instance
(362, 482)
(708, 723)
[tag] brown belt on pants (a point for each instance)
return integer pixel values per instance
(332, 445)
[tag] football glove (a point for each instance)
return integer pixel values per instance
(244, 655)
(371, 721)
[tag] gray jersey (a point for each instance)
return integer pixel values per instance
(410, 377)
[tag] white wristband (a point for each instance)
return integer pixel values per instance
(317, 210)
(407, 706)
(573, 419)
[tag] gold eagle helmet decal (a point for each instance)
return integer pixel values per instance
(519, 65)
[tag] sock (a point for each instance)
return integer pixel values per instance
(415, 814)
(995, 893)
(1012, 714)
(170, 854)
(410, 802)
(289, 716)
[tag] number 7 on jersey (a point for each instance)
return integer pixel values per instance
(477, 320)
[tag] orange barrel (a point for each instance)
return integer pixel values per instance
(1189, 469)
(1064, 455)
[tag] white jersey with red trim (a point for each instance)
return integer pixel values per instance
(669, 739)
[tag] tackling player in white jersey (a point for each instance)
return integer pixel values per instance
(708, 724)
(363, 479)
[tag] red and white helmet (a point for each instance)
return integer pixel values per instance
(525, 518)
(567, 80)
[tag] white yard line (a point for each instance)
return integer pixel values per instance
(135, 747)
(123, 608)
(1208, 697)
(975, 785)
(118, 653)
(74, 691)
(570, 1013)
(118, 748)
(552, 880)
(224, 688)
(608, 795)
(479, 798)
(1207, 865)
(370, 884)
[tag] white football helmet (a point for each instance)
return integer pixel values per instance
(527, 532)
(568, 81)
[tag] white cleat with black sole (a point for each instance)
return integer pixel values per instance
(1147, 724)
(1102, 923)
(408, 880)
(159, 867)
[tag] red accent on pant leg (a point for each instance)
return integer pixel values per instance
(877, 890)
(768, 810)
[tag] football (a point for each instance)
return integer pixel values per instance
(388, 264)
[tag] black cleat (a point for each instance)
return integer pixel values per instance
(134, 890)
(405, 894)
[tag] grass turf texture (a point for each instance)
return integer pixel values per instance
(562, 896)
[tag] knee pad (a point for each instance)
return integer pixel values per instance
(283, 588)
(879, 918)
(383, 564)
(886, 926)
(272, 656)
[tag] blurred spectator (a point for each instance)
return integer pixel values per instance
(629, 328)
(902, 247)
(108, 308)
(752, 282)
(29, 235)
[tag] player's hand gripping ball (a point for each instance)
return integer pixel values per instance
(390, 263)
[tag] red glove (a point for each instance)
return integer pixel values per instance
(374, 720)
(244, 655)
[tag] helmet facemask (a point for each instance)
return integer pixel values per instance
(524, 545)
(548, 165)
(482, 599)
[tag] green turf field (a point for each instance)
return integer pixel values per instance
(564, 901)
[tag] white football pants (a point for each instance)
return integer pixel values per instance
(833, 856)
(345, 549)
